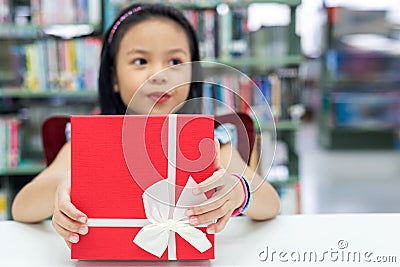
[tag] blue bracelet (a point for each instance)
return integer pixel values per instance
(248, 195)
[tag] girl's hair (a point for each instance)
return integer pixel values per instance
(110, 101)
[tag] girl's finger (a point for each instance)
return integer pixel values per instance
(213, 203)
(217, 161)
(70, 225)
(66, 207)
(68, 243)
(72, 212)
(221, 223)
(63, 203)
(212, 215)
(211, 182)
(67, 235)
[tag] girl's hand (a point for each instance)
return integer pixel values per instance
(68, 221)
(228, 196)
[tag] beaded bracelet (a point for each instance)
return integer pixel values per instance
(247, 193)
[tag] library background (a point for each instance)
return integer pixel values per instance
(330, 70)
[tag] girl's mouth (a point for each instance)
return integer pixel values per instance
(159, 97)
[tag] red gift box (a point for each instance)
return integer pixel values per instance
(132, 175)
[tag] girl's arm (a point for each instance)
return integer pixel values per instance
(35, 201)
(265, 202)
(229, 193)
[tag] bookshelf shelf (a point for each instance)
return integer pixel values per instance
(292, 179)
(366, 129)
(283, 126)
(26, 93)
(26, 167)
(12, 31)
(360, 86)
(192, 4)
(262, 63)
(213, 4)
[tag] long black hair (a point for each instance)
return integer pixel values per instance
(110, 101)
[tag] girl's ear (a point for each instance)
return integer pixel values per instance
(114, 81)
(116, 88)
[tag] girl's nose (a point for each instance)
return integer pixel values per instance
(159, 77)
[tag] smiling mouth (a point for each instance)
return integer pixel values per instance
(159, 97)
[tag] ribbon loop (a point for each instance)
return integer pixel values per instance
(154, 238)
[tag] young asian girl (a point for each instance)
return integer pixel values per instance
(144, 40)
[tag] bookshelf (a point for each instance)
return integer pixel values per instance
(360, 82)
(43, 71)
(260, 66)
(35, 93)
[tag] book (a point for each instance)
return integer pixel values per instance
(5, 14)
(3, 203)
(10, 153)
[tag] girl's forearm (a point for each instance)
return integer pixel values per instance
(34, 202)
(265, 202)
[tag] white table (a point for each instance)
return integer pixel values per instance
(336, 240)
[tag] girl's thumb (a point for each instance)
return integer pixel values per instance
(217, 161)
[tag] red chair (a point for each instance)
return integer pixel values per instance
(245, 132)
(53, 134)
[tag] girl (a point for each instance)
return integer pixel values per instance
(142, 41)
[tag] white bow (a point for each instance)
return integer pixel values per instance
(156, 236)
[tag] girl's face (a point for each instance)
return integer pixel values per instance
(146, 49)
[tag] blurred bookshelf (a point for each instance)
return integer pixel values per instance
(48, 66)
(360, 103)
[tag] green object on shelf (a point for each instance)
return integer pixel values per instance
(12, 31)
(261, 63)
(24, 168)
(285, 125)
(279, 126)
(357, 138)
(293, 179)
(26, 93)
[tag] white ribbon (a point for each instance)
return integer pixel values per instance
(164, 218)
(156, 236)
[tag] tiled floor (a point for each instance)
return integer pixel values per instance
(346, 181)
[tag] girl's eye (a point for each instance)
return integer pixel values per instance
(139, 61)
(174, 62)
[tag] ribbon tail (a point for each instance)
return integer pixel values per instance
(153, 238)
(194, 236)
